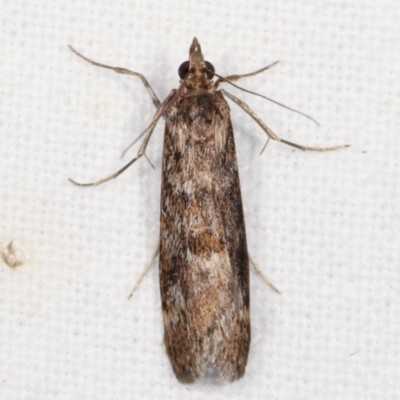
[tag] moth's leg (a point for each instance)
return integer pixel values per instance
(263, 276)
(146, 270)
(125, 71)
(234, 78)
(271, 134)
(147, 133)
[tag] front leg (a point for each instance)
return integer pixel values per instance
(125, 71)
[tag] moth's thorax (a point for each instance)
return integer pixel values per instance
(196, 84)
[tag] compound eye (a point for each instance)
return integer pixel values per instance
(184, 69)
(210, 70)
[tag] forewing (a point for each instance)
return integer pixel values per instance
(204, 278)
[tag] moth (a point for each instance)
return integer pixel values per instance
(203, 255)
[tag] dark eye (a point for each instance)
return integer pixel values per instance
(183, 69)
(210, 70)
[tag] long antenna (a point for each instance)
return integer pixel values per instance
(264, 97)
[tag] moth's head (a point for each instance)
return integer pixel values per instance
(196, 66)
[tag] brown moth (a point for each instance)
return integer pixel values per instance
(204, 261)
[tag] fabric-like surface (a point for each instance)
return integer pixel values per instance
(323, 226)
